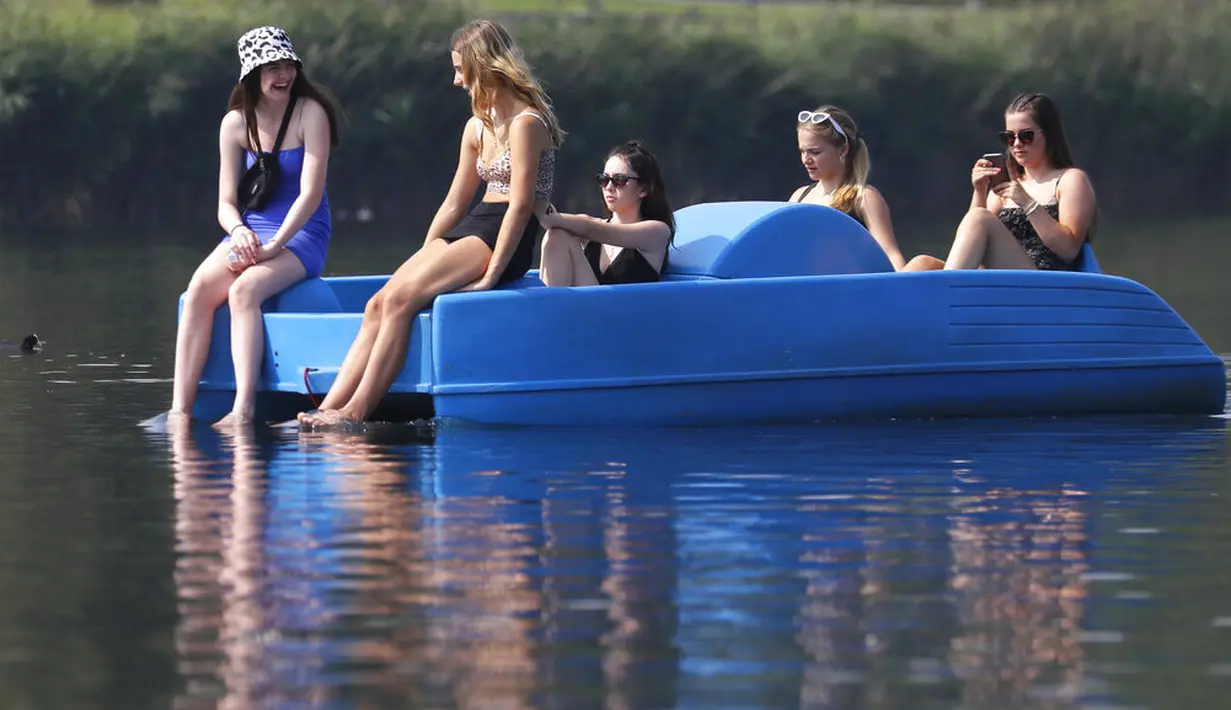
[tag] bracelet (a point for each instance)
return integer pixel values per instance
(232, 232)
(1034, 206)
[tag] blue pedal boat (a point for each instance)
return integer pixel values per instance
(770, 312)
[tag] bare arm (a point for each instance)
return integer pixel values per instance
(994, 202)
(315, 125)
(875, 213)
(230, 165)
(1066, 236)
(461, 190)
(647, 235)
(527, 139)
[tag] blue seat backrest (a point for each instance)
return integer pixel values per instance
(1086, 261)
(730, 240)
(308, 296)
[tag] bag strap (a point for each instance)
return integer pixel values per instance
(286, 121)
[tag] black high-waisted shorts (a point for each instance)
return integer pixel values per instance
(484, 222)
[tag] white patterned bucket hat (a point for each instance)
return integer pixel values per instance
(264, 45)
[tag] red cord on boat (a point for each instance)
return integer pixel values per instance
(308, 386)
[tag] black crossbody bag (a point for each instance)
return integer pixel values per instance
(258, 183)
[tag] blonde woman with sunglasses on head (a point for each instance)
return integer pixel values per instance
(1035, 212)
(837, 161)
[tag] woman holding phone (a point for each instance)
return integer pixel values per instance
(1031, 209)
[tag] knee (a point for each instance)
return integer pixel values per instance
(201, 294)
(556, 240)
(375, 306)
(243, 295)
(979, 217)
(194, 295)
(403, 303)
(924, 262)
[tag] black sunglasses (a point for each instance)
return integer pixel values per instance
(1026, 136)
(617, 180)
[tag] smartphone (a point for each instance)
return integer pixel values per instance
(997, 159)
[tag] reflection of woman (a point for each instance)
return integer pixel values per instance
(220, 572)
(643, 618)
(1018, 590)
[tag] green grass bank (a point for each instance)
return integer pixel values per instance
(109, 114)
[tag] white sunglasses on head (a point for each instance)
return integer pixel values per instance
(821, 117)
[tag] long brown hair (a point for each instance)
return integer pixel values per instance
(1042, 110)
(857, 164)
(649, 178)
(247, 93)
(491, 61)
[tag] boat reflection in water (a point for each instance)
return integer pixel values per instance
(882, 566)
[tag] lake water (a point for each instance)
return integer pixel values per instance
(951, 564)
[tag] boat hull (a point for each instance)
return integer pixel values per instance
(940, 344)
(770, 312)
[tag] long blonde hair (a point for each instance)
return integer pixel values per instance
(490, 61)
(857, 164)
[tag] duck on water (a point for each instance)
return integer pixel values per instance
(28, 344)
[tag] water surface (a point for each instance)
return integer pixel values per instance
(948, 564)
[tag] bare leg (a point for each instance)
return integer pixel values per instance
(206, 292)
(983, 239)
(563, 262)
(432, 271)
(924, 262)
(253, 287)
(356, 360)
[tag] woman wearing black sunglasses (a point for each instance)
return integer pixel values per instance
(629, 244)
(1034, 213)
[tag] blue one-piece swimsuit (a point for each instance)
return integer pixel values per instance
(311, 243)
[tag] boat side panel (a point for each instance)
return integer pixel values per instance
(1197, 389)
(682, 330)
(760, 328)
(317, 342)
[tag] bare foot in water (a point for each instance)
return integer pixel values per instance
(331, 418)
(233, 422)
(178, 421)
(306, 418)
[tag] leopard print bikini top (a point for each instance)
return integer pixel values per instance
(499, 172)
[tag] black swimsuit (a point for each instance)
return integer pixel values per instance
(848, 212)
(1019, 224)
(629, 267)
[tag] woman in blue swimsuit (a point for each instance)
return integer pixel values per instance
(271, 248)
